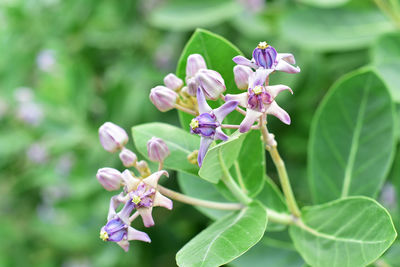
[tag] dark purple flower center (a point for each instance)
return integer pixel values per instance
(258, 97)
(204, 125)
(264, 55)
(115, 230)
(142, 196)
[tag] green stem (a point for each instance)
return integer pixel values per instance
(240, 177)
(231, 184)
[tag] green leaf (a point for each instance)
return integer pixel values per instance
(349, 232)
(325, 3)
(182, 15)
(391, 257)
(226, 239)
(352, 138)
(386, 59)
(334, 29)
(221, 156)
(179, 142)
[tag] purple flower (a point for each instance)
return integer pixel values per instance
(208, 123)
(157, 149)
(118, 230)
(259, 100)
(266, 57)
(109, 178)
(163, 98)
(112, 137)
(127, 157)
(211, 82)
(143, 195)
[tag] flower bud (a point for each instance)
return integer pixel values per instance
(195, 62)
(143, 168)
(157, 149)
(163, 98)
(242, 74)
(264, 55)
(173, 82)
(109, 178)
(192, 86)
(211, 82)
(112, 137)
(127, 157)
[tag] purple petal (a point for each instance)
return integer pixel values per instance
(241, 98)
(124, 244)
(240, 60)
(219, 134)
(114, 204)
(147, 218)
(274, 90)
(287, 57)
(248, 121)
(201, 101)
(286, 67)
(278, 112)
(134, 234)
(162, 201)
(224, 110)
(258, 78)
(204, 145)
(126, 211)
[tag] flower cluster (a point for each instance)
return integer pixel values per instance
(140, 193)
(202, 83)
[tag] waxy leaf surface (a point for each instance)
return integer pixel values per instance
(180, 144)
(352, 139)
(226, 239)
(349, 232)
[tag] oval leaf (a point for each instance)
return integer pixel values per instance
(350, 232)
(352, 139)
(179, 142)
(226, 239)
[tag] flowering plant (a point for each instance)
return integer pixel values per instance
(222, 148)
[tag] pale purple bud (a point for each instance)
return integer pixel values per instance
(163, 98)
(192, 86)
(127, 157)
(109, 178)
(37, 153)
(112, 137)
(46, 60)
(30, 113)
(157, 149)
(211, 82)
(195, 62)
(23, 94)
(173, 82)
(242, 74)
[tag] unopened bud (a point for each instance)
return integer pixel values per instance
(127, 157)
(112, 137)
(192, 157)
(195, 62)
(163, 98)
(173, 82)
(242, 74)
(157, 149)
(192, 86)
(211, 82)
(109, 178)
(143, 168)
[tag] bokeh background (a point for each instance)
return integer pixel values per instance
(66, 67)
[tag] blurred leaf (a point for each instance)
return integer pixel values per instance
(348, 232)
(226, 238)
(220, 157)
(391, 257)
(334, 29)
(180, 144)
(386, 59)
(325, 3)
(352, 138)
(182, 15)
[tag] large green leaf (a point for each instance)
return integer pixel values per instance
(352, 139)
(325, 3)
(386, 59)
(179, 142)
(183, 15)
(334, 29)
(226, 239)
(349, 232)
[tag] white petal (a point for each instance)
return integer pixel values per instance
(259, 77)
(134, 234)
(162, 201)
(240, 60)
(152, 180)
(278, 112)
(147, 218)
(130, 181)
(287, 57)
(241, 98)
(286, 67)
(274, 90)
(248, 121)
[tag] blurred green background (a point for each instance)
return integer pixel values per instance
(66, 67)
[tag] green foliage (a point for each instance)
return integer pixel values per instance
(225, 239)
(348, 232)
(352, 139)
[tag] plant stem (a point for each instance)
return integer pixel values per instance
(231, 184)
(282, 218)
(184, 109)
(240, 176)
(231, 126)
(198, 202)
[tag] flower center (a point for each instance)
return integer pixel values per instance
(194, 124)
(104, 235)
(262, 45)
(136, 199)
(257, 90)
